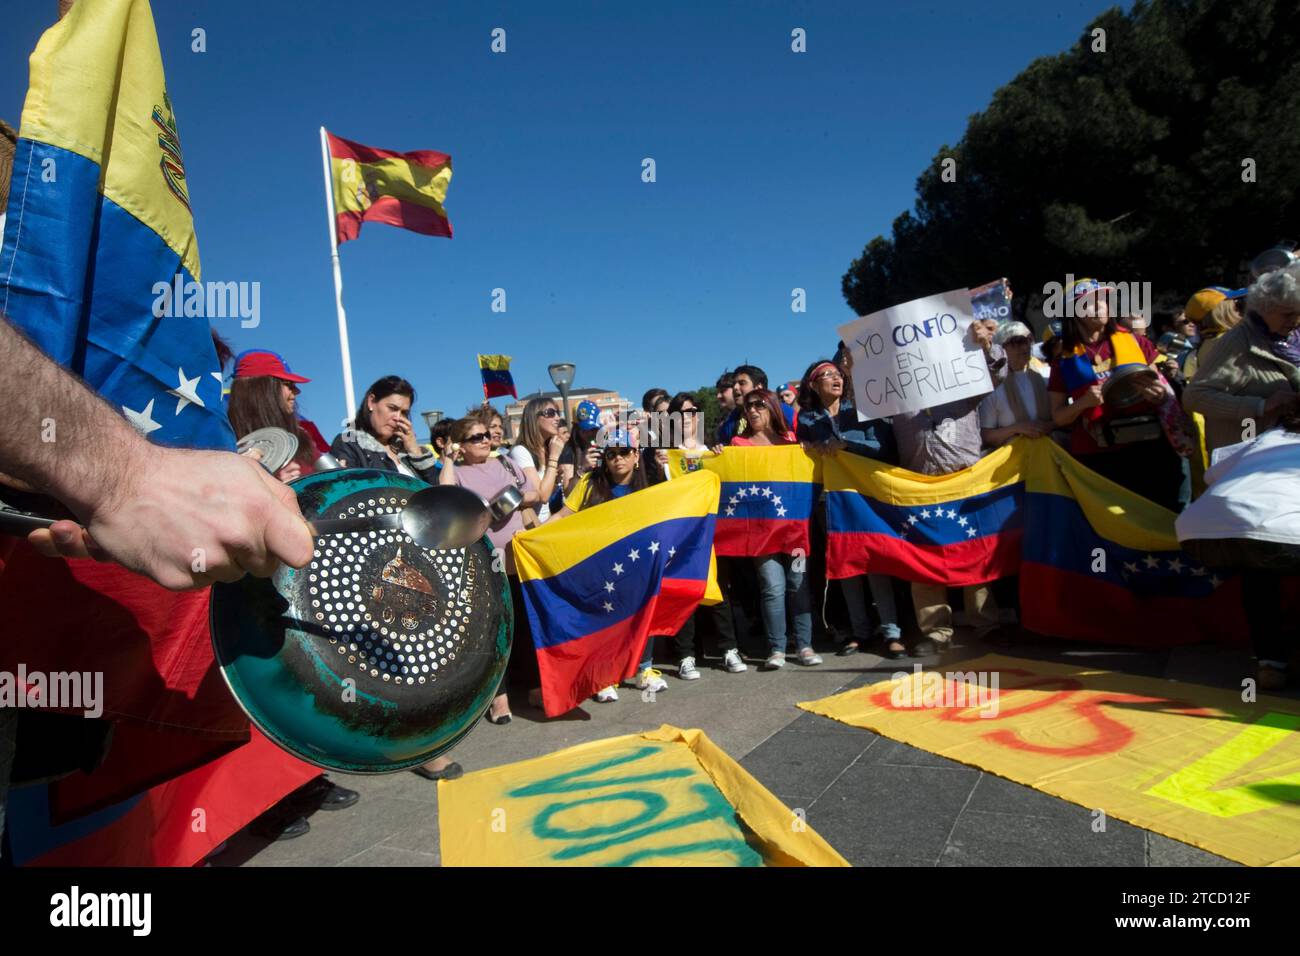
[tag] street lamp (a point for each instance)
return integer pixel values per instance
(562, 376)
(431, 418)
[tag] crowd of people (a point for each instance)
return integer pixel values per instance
(1227, 368)
(1153, 416)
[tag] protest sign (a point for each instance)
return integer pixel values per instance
(915, 355)
(992, 300)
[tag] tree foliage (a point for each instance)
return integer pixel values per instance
(1125, 164)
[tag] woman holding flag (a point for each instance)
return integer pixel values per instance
(618, 474)
(828, 422)
(783, 590)
(716, 617)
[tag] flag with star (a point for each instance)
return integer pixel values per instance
(99, 231)
(98, 234)
(598, 583)
(766, 497)
(1100, 563)
(958, 529)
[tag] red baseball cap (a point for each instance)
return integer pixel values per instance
(249, 364)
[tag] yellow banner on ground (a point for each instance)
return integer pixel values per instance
(666, 797)
(1192, 762)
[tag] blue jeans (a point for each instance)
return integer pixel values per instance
(783, 589)
(882, 595)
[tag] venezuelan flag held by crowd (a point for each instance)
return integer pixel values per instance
(98, 216)
(1096, 561)
(766, 497)
(598, 583)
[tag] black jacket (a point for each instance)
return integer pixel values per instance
(365, 451)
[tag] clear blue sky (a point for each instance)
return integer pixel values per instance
(774, 169)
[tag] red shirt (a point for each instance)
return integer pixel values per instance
(1081, 442)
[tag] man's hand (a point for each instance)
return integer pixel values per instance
(982, 335)
(188, 518)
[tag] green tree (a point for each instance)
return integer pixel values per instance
(1127, 164)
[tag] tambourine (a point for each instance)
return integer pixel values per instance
(379, 655)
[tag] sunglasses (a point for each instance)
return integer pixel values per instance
(756, 406)
(550, 413)
(475, 439)
(619, 452)
(689, 411)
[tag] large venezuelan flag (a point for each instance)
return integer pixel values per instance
(98, 221)
(1103, 564)
(767, 497)
(99, 218)
(598, 583)
(406, 190)
(958, 529)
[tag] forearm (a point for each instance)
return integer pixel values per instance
(1066, 415)
(62, 437)
(546, 483)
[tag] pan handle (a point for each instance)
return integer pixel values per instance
(19, 525)
(386, 522)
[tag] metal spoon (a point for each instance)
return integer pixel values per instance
(437, 517)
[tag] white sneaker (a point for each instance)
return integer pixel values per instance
(686, 669)
(607, 695)
(732, 662)
(651, 679)
(774, 661)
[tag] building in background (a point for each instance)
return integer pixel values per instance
(605, 400)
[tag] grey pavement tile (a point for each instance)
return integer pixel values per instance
(995, 794)
(1162, 851)
(808, 723)
(895, 753)
(390, 856)
(877, 812)
(803, 763)
(1006, 839)
(338, 835)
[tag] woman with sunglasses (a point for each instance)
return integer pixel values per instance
(784, 591)
(829, 422)
(468, 462)
(264, 394)
(539, 448)
(619, 474)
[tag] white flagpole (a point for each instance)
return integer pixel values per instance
(349, 394)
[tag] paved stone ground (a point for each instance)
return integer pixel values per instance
(878, 802)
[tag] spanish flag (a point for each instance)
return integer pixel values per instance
(496, 376)
(599, 582)
(378, 185)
